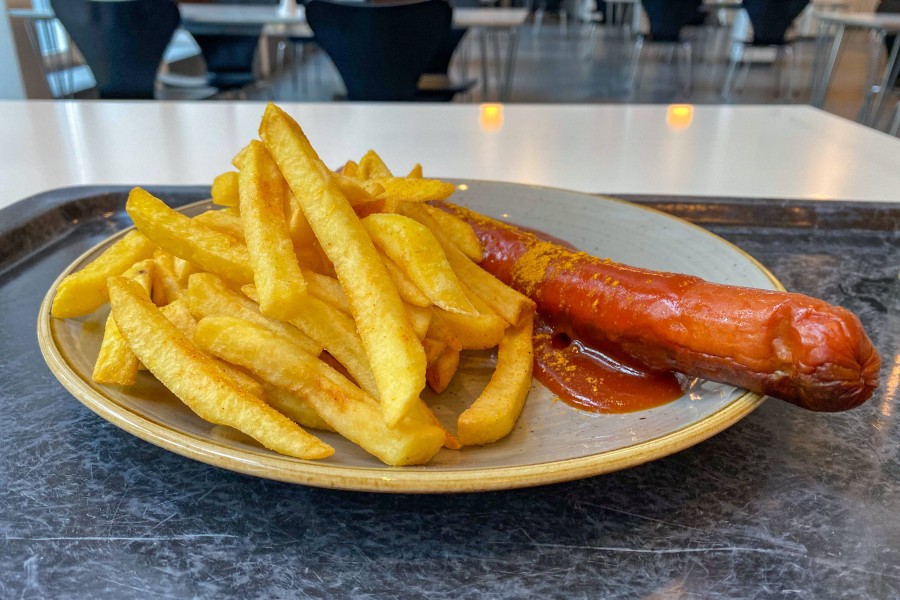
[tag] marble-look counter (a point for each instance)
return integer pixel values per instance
(785, 504)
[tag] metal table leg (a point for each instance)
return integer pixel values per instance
(485, 84)
(818, 99)
(889, 79)
(512, 44)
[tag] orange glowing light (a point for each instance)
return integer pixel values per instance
(490, 117)
(679, 116)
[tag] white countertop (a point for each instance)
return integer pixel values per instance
(747, 151)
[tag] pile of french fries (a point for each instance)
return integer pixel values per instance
(314, 299)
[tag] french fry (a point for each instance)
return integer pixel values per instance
(433, 348)
(458, 231)
(221, 221)
(84, 291)
(225, 189)
(166, 286)
(441, 371)
(116, 364)
(478, 332)
(336, 333)
(210, 250)
(342, 405)
(419, 318)
(182, 269)
(415, 172)
(294, 407)
(328, 289)
(349, 169)
(356, 190)
(301, 233)
(412, 189)
(419, 255)
(372, 167)
(198, 381)
(276, 272)
(209, 296)
(179, 314)
(408, 290)
(505, 301)
(395, 353)
(494, 413)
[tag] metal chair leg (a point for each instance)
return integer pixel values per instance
(635, 80)
(729, 74)
(687, 66)
(895, 125)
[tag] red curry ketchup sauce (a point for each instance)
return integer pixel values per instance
(595, 380)
(590, 378)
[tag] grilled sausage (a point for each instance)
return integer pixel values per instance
(789, 346)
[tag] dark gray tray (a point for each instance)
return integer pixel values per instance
(785, 503)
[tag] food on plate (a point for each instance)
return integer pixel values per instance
(84, 292)
(788, 346)
(198, 380)
(303, 303)
(330, 299)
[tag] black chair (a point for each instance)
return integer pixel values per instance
(380, 50)
(229, 56)
(436, 83)
(122, 42)
(667, 19)
(771, 20)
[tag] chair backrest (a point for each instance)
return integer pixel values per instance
(772, 18)
(668, 17)
(380, 50)
(122, 42)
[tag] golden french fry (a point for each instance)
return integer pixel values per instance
(276, 272)
(415, 172)
(116, 364)
(409, 291)
(349, 169)
(84, 291)
(301, 233)
(238, 161)
(395, 353)
(336, 333)
(294, 407)
(225, 189)
(328, 289)
(182, 270)
(419, 318)
(458, 231)
(357, 191)
(440, 372)
(505, 301)
(494, 413)
(342, 405)
(208, 296)
(234, 211)
(478, 332)
(179, 314)
(406, 189)
(433, 348)
(419, 255)
(372, 167)
(221, 221)
(166, 286)
(177, 234)
(198, 381)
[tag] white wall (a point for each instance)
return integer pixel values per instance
(11, 85)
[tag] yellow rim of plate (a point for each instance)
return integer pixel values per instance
(269, 465)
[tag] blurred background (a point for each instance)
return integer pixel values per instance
(834, 54)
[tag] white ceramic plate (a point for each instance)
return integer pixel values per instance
(552, 442)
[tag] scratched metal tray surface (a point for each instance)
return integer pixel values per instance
(784, 500)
